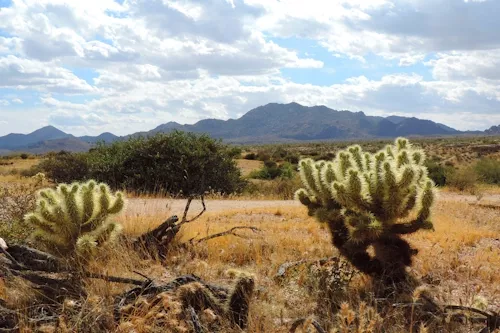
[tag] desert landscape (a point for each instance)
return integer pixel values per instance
(267, 237)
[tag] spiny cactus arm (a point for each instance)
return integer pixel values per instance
(72, 209)
(86, 245)
(422, 220)
(88, 201)
(343, 162)
(107, 232)
(117, 204)
(306, 171)
(106, 204)
(356, 157)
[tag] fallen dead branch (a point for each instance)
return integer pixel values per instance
(231, 232)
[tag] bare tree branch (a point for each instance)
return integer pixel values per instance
(186, 209)
(226, 233)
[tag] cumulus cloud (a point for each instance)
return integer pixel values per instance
(23, 73)
(126, 66)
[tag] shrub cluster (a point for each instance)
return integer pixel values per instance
(271, 170)
(176, 163)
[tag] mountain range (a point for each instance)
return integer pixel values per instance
(265, 124)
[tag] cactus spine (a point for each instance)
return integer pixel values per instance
(72, 220)
(367, 199)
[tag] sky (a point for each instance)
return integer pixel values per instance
(124, 66)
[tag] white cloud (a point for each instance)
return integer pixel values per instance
(138, 64)
(22, 73)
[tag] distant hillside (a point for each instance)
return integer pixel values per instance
(68, 144)
(104, 137)
(269, 123)
(15, 141)
(493, 130)
(291, 122)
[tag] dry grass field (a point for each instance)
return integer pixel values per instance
(459, 261)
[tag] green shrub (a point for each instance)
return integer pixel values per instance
(24, 156)
(235, 152)
(279, 188)
(293, 159)
(178, 163)
(271, 170)
(437, 172)
(463, 179)
(488, 170)
(263, 155)
(63, 167)
(250, 156)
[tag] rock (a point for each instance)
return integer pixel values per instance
(3, 244)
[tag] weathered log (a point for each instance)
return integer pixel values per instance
(34, 259)
(149, 288)
(156, 240)
(8, 318)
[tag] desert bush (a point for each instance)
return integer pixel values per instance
(365, 199)
(263, 155)
(283, 189)
(175, 163)
(63, 167)
(24, 156)
(463, 179)
(488, 170)
(16, 200)
(251, 156)
(293, 159)
(271, 170)
(437, 172)
(72, 220)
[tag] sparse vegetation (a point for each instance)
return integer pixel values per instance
(488, 170)
(261, 279)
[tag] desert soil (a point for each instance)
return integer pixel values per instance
(176, 206)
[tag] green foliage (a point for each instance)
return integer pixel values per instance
(271, 170)
(366, 199)
(463, 179)
(438, 173)
(63, 167)
(488, 170)
(24, 156)
(176, 163)
(279, 188)
(250, 156)
(72, 220)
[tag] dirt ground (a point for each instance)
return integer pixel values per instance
(176, 206)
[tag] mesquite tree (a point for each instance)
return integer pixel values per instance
(72, 220)
(370, 200)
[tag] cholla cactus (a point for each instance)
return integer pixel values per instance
(370, 200)
(72, 220)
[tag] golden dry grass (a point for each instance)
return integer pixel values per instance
(247, 166)
(460, 260)
(10, 173)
